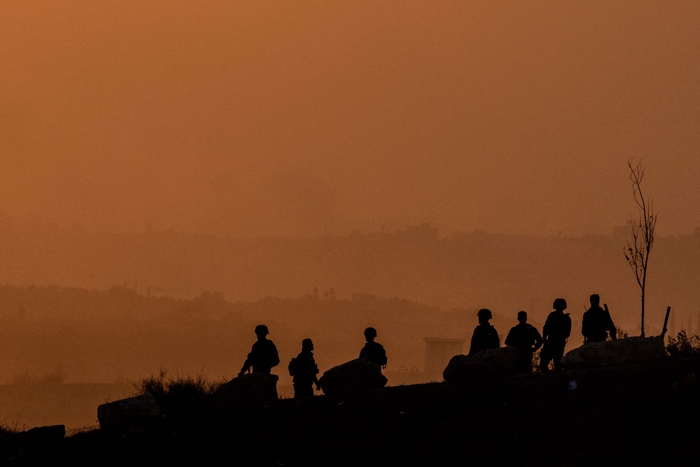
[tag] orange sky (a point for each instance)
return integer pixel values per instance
(295, 118)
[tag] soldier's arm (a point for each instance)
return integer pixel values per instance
(246, 365)
(545, 330)
(538, 339)
(509, 338)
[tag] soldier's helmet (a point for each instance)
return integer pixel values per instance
(261, 329)
(370, 332)
(559, 304)
(484, 313)
(522, 315)
(307, 344)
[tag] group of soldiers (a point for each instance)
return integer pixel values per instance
(302, 368)
(596, 327)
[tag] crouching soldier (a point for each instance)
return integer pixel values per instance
(373, 351)
(527, 339)
(303, 370)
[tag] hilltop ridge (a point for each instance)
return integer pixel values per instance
(633, 415)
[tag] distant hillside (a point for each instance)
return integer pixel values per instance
(506, 273)
(117, 334)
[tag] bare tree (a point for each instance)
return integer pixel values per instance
(639, 247)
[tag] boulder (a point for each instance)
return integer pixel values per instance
(15, 444)
(502, 361)
(45, 434)
(628, 351)
(354, 376)
(126, 412)
(248, 389)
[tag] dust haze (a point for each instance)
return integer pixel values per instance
(173, 173)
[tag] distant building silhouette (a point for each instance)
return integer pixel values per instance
(438, 352)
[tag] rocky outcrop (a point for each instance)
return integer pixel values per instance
(630, 351)
(502, 361)
(14, 445)
(127, 412)
(248, 389)
(354, 376)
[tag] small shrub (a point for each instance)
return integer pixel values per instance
(536, 362)
(683, 346)
(8, 427)
(180, 392)
(622, 334)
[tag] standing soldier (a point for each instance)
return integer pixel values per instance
(373, 351)
(485, 336)
(597, 323)
(263, 356)
(526, 339)
(303, 370)
(556, 331)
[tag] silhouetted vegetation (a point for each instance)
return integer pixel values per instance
(179, 392)
(683, 346)
(8, 427)
(638, 249)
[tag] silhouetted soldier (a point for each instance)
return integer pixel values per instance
(526, 339)
(485, 336)
(597, 323)
(373, 351)
(556, 331)
(303, 370)
(263, 356)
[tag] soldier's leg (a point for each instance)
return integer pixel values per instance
(558, 355)
(303, 390)
(545, 357)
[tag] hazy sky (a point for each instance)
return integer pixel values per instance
(295, 118)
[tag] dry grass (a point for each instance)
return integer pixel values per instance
(11, 426)
(683, 346)
(180, 392)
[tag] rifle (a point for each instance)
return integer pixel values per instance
(605, 305)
